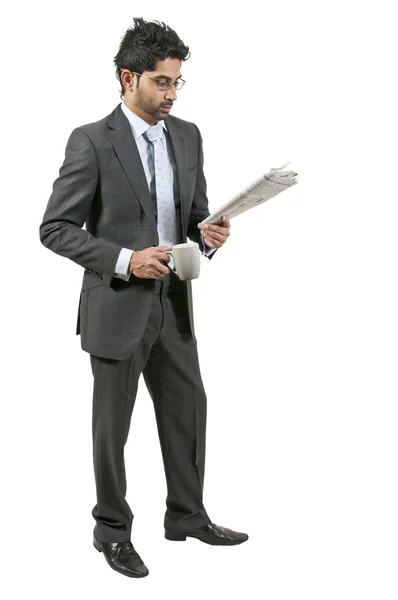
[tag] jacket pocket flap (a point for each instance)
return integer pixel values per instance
(90, 281)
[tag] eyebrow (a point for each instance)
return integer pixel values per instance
(167, 77)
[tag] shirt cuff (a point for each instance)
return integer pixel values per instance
(209, 251)
(122, 264)
(206, 251)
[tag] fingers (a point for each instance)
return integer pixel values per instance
(215, 235)
(154, 273)
(218, 237)
(162, 252)
(212, 243)
(214, 240)
(153, 262)
(160, 269)
(215, 229)
(225, 224)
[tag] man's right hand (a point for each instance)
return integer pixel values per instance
(149, 263)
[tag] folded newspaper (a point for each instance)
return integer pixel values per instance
(265, 187)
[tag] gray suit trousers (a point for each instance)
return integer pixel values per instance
(170, 366)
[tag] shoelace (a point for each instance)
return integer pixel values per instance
(124, 548)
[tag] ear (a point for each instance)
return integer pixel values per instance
(127, 78)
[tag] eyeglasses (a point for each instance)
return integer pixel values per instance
(164, 84)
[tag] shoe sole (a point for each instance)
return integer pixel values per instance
(182, 537)
(135, 576)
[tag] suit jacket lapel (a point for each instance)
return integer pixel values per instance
(178, 142)
(123, 141)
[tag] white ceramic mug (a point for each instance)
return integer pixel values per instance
(186, 260)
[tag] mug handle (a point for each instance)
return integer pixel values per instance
(167, 264)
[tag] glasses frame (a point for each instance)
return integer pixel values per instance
(178, 85)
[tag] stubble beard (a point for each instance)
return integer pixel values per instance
(150, 108)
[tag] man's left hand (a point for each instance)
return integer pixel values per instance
(215, 236)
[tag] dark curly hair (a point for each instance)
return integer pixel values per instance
(146, 43)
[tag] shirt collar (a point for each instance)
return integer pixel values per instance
(138, 125)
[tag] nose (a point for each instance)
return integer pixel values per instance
(171, 94)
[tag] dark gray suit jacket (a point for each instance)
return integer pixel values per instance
(102, 184)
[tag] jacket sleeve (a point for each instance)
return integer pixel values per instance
(69, 206)
(199, 209)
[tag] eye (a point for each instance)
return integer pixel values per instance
(163, 84)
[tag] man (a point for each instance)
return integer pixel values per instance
(136, 179)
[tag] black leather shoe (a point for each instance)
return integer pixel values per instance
(210, 534)
(122, 557)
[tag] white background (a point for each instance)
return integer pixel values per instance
(295, 317)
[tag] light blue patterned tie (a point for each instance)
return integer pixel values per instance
(167, 228)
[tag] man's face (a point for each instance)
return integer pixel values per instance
(150, 103)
